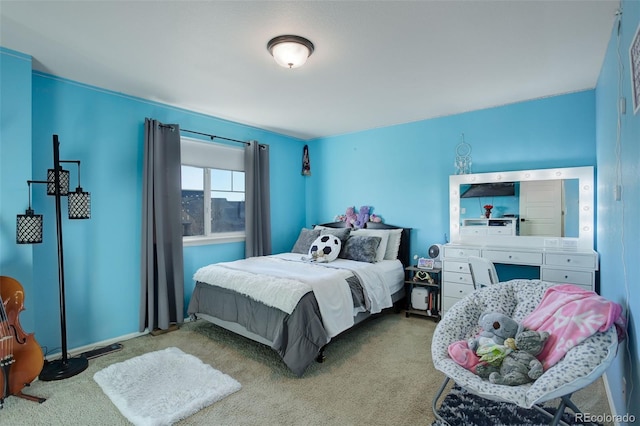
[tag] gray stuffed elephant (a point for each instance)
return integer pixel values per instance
(521, 365)
(496, 327)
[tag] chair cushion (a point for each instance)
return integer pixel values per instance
(517, 298)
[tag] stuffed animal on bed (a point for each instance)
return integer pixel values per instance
(350, 216)
(375, 218)
(496, 327)
(363, 217)
(520, 366)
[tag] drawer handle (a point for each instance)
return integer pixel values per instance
(566, 277)
(460, 278)
(510, 256)
(568, 260)
(460, 267)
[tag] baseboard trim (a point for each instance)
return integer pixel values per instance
(81, 349)
(612, 406)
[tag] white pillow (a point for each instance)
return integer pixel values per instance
(393, 246)
(326, 248)
(384, 238)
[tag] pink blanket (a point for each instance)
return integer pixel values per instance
(571, 314)
(462, 355)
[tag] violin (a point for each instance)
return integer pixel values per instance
(21, 358)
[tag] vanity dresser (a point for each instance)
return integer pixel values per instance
(563, 253)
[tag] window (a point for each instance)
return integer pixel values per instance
(213, 199)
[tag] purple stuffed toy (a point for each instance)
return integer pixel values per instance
(350, 216)
(363, 217)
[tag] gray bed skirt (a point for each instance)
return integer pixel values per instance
(297, 337)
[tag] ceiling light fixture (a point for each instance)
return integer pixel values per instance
(290, 51)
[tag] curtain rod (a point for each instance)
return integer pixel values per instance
(209, 135)
(214, 136)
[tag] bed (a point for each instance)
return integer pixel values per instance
(296, 305)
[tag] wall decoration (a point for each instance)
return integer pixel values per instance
(306, 163)
(463, 157)
(634, 60)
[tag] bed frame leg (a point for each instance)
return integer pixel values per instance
(320, 358)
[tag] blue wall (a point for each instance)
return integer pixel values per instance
(15, 170)
(403, 171)
(618, 230)
(102, 255)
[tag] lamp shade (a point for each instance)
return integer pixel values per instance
(290, 51)
(29, 228)
(64, 182)
(79, 204)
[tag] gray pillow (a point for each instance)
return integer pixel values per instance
(305, 239)
(342, 233)
(361, 248)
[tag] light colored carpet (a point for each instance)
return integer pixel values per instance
(379, 373)
(162, 387)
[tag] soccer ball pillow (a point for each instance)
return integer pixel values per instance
(325, 248)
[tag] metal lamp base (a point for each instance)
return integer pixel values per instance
(59, 369)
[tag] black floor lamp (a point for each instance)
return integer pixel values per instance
(29, 231)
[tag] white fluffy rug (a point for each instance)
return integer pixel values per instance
(160, 388)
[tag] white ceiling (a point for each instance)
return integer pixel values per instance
(375, 63)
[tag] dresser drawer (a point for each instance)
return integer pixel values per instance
(453, 289)
(462, 252)
(520, 258)
(572, 260)
(473, 230)
(565, 276)
(448, 302)
(458, 278)
(500, 230)
(460, 267)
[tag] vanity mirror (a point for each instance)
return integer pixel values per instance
(528, 208)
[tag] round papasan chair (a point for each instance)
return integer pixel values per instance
(581, 365)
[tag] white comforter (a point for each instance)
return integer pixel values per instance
(281, 280)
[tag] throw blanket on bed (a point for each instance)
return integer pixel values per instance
(571, 314)
(280, 283)
(377, 295)
(280, 293)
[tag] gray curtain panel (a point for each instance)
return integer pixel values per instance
(162, 271)
(257, 200)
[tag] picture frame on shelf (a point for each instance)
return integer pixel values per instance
(424, 263)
